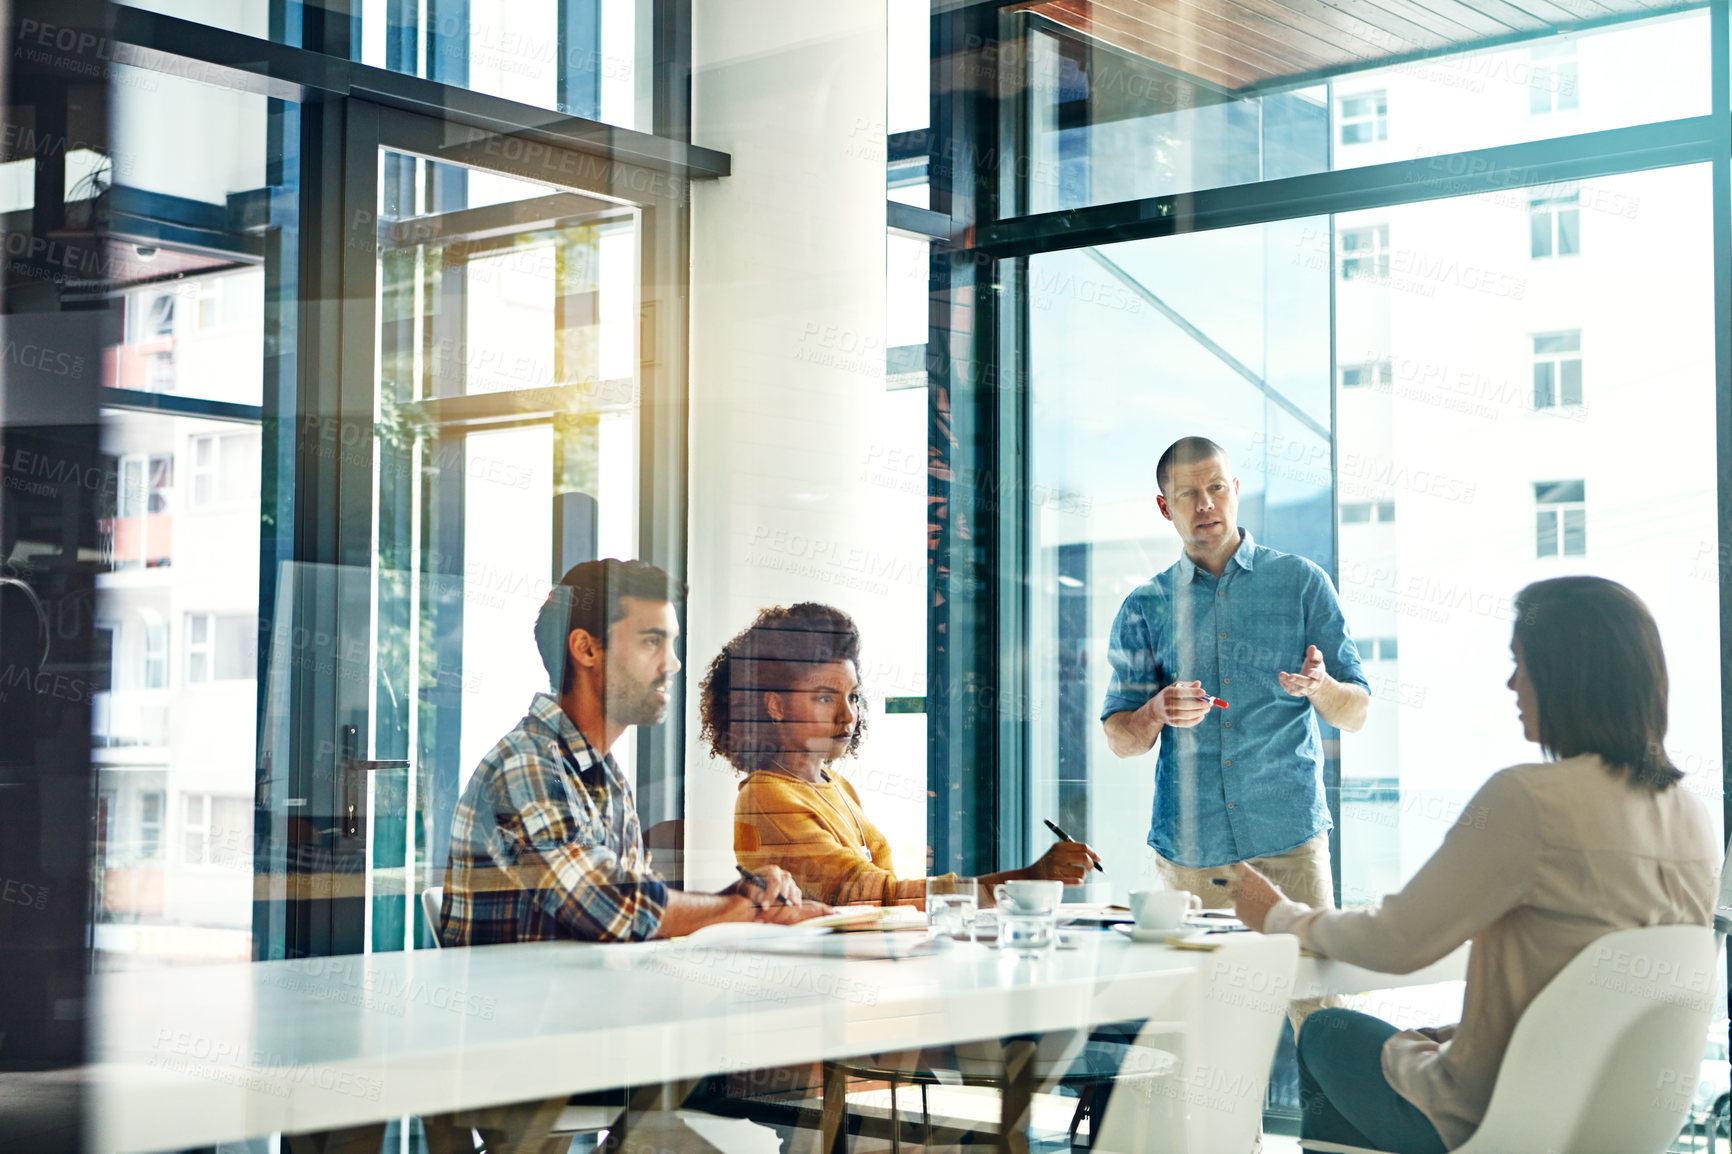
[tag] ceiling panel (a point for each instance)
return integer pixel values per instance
(1236, 43)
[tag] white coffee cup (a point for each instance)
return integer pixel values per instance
(1162, 910)
(1029, 897)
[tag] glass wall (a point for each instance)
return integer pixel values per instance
(173, 731)
(1501, 369)
(586, 58)
(1131, 346)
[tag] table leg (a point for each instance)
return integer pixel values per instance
(833, 1124)
(1017, 1096)
(895, 1121)
(355, 1140)
(639, 1100)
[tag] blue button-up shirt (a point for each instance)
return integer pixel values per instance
(1248, 780)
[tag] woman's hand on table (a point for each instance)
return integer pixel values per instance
(1067, 861)
(1253, 896)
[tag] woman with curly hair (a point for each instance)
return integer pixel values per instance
(782, 704)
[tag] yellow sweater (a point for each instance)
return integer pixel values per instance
(819, 834)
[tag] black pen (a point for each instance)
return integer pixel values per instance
(753, 879)
(1063, 836)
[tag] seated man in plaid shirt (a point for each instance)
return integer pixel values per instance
(545, 841)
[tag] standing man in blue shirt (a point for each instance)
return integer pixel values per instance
(1229, 620)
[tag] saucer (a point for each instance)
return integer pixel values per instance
(1137, 935)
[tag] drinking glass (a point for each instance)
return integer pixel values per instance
(1025, 933)
(951, 903)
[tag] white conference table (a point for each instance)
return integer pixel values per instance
(186, 1057)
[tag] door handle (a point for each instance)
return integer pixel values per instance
(352, 772)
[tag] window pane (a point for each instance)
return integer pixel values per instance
(1540, 233)
(1355, 514)
(1575, 532)
(1567, 74)
(235, 658)
(1569, 228)
(237, 468)
(1570, 392)
(1544, 394)
(1245, 305)
(1560, 492)
(1546, 533)
(1540, 90)
(130, 501)
(1386, 511)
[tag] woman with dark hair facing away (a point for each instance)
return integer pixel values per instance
(782, 704)
(1546, 858)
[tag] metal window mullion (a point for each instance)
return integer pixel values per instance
(1611, 151)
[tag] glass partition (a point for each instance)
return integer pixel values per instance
(1131, 346)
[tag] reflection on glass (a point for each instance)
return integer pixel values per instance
(173, 731)
(173, 728)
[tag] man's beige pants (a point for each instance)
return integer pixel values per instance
(1301, 873)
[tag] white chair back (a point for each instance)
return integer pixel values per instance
(432, 903)
(1214, 1100)
(1605, 1059)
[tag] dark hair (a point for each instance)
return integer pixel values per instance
(1184, 451)
(766, 657)
(588, 598)
(1592, 652)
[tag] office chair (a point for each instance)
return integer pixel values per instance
(1581, 1068)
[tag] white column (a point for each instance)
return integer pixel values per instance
(790, 417)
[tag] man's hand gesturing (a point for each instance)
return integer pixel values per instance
(1310, 678)
(1182, 704)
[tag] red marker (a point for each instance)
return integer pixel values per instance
(1215, 701)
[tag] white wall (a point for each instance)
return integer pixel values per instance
(789, 408)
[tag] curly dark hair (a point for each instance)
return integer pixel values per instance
(766, 657)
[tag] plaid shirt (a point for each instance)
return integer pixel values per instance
(545, 844)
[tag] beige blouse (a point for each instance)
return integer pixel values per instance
(1545, 859)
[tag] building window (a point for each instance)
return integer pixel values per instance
(1560, 518)
(1365, 118)
(157, 319)
(222, 469)
(1552, 77)
(1554, 223)
(216, 830)
(154, 670)
(1367, 512)
(150, 824)
(195, 828)
(1364, 252)
(1377, 649)
(1370, 375)
(1557, 369)
(145, 482)
(219, 647)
